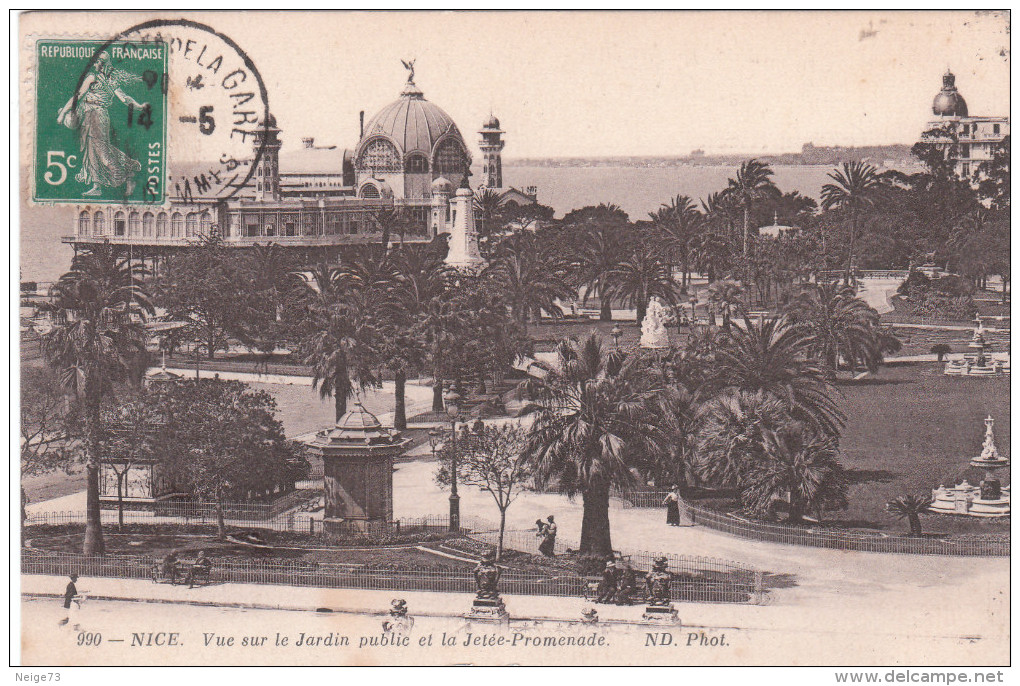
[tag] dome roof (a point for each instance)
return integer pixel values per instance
(442, 184)
(491, 122)
(949, 102)
(412, 122)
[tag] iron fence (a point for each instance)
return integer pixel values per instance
(965, 545)
(687, 587)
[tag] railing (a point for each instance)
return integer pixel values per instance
(985, 545)
(698, 579)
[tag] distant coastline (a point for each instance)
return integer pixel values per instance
(888, 156)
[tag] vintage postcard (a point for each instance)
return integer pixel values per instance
(535, 338)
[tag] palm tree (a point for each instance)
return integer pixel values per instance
(753, 183)
(841, 324)
(773, 356)
(98, 341)
(593, 425)
(910, 507)
(730, 437)
(341, 349)
(857, 188)
(640, 277)
(676, 225)
(422, 277)
(800, 468)
(725, 296)
(531, 281)
(487, 211)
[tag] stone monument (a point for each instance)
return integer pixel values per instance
(357, 456)
(398, 619)
(990, 498)
(487, 605)
(660, 604)
(654, 335)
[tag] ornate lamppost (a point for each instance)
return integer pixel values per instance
(694, 313)
(451, 399)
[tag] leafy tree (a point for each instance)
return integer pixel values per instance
(726, 296)
(492, 459)
(210, 286)
(50, 425)
(994, 185)
(910, 507)
(593, 424)
(226, 441)
(602, 235)
(131, 434)
(856, 189)
(98, 340)
(731, 435)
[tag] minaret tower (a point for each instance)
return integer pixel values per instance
(491, 146)
(267, 175)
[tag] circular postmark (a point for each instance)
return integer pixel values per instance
(216, 111)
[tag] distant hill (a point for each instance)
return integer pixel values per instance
(880, 155)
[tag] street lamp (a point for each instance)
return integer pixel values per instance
(435, 438)
(616, 332)
(451, 398)
(694, 314)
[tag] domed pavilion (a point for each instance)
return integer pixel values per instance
(408, 144)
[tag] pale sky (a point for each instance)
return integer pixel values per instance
(566, 84)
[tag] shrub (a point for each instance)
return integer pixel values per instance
(915, 281)
(952, 286)
(941, 349)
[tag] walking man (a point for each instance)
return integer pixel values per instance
(72, 603)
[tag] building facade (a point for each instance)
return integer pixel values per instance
(411, 157)
(968, 140)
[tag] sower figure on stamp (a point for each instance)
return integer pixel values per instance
(102, 164)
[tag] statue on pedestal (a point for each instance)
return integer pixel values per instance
(653, 326)
(398, 621)
(487, 605)
(660, 607)
(487, 576)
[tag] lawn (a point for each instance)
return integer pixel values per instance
(910, 429)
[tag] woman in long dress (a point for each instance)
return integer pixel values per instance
(102, 164)
(672, 503)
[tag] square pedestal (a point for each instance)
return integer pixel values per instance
(488, 610)
(661, 614)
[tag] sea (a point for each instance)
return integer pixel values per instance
(637, 190)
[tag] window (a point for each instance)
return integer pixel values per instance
(966, 170)
(270, 230)
(147, 222)
(191, 223)
(995, 128)
(290, 228)
(451, 161)
(119, 225)
(161, 225)
(379, 156)
(176, 225)
(965, 150)
(83, 224)
(134, 224)
(369, 190)
(253, 229)
(416, 164)
(205, 223)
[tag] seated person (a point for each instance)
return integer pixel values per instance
(200, 566)
(169, 566)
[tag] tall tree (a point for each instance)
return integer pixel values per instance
(841, 324)
(752, 184)
(531, 279)
(856, 189)
(676, 229)
(640, 276)
(592, 425)
(98, 340)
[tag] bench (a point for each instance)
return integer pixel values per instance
(183, 572)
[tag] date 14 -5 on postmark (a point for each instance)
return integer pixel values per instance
(101, 122)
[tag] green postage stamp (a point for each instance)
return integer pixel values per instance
(101, 121)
